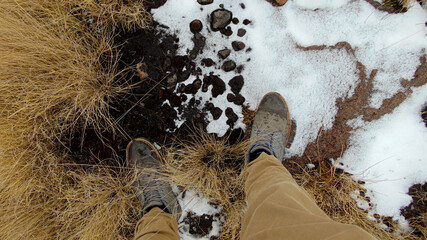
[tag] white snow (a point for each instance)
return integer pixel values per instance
(389, 154)
(193, 202)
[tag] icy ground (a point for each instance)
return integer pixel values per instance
(389, 154)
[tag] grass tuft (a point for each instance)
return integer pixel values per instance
(56, 74)
(213, 168)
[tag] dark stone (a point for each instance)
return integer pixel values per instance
(231, 97)
(246, 22)
(236, 84)
(242, 5)
(205, 2)
(249, 49)
(199, 43)
(238, 45)
(224, 53)
(239, 100)
(227, 32)
(240, 68)
(218, 86)
(196, 26)
(232, 117)
(241, 32)
(216, 113)
(228, 66)
(220, 18)
(235, 20)
(208, 62)
(221, 5)
(194, 87)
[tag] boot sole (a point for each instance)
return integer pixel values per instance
(287, 113)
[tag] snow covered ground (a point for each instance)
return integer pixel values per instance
(389, 154)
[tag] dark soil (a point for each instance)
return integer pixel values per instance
(416, 211)
(199, 226)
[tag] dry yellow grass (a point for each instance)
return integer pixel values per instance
(56, 73)
(213, 168)
(334, 193)
(107, 14)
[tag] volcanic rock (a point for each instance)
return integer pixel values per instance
(228, 66)
(220, 18)
(238, 45)
(196, 26)
(224, 53)
(205, 2)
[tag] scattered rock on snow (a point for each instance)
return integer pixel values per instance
(196, 26)
(239, 99)
(208, 62)
(220, 18)
(218, 86)
(241, 32)
(236, 84)
(215, 111)
(228, 66)
(194, 87)
(224, 53)
(246, 22)
(205, 2)
(232, 117)
(238, 45)
(231, 97)
(235, 20)
(227, 32)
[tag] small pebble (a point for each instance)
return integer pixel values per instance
(239, 100)
(228, 66)
(231, 97)
(224, 53)
(205, 2)
(238, 45)
(246, 22)
(196, 26)
(220, 18)
(235, 20)
(227, 32)
(241, 32)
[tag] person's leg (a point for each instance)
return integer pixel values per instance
(279, 209)
(159, 206)
(156, 224)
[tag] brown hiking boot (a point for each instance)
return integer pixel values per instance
(271, 127)
(145, 162)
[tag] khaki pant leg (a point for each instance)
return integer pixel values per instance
(157, 225)
(279, 209)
